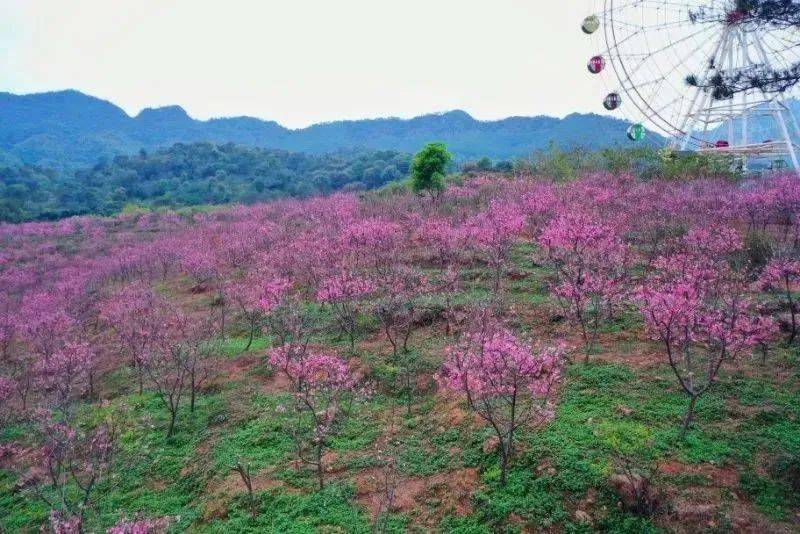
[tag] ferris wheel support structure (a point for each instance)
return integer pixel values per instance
(665, 59)
(708, 113)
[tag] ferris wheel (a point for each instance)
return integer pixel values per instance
(647, 50)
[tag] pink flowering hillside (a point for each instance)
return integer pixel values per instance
(493, 355)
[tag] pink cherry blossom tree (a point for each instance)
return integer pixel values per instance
(396, 305)
(508, 382)
(200, 260)
(64, 373)
(21, 374)
(322, 384)
(288, 324)
(540, 204)
(256, 299)
(493, 232)
(344, 292)
(135, 314)
(177, 360)
(397, 310)
(445, 242)
(73, 461)
(17, 365)
(372, 244)
(698, 308)
(44, 323)
(591, 263)
(780, 277)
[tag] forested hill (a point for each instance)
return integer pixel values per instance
(190, 175)
(68, 130)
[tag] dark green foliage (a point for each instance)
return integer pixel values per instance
(485, 164)
(645, 162)
(23, 187)
(536, 499)
(428, 168)
(757, 251)
(190, 175)
(329, 510)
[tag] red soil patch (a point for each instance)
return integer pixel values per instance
(699, 513)
(450, 412)
(453, 414)
(641, 357)
(220, 492)
(276, 383)
(700, 508)
(449, 492)
(716, 476)
(233, 369)
(232, 484)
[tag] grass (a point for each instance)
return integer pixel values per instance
(329, 510)
(553, 470)
(261, 441)
(607, 412)
(233, 346)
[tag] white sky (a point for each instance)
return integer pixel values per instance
(304, 61)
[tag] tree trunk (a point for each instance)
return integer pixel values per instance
(320, 468)
(222, 316)
(390, 337)
(194, 389)
(687, 420)
(250, 338)
(244, 473)
(173, 413)
(505, 452)
(793, 333)
(408, 394)
(448, 310)
(584, 332)
(408, 331)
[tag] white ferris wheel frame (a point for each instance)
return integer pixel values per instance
(690, 129)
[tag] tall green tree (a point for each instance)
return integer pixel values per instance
(428, 168)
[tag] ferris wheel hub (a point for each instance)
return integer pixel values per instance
(732, 18)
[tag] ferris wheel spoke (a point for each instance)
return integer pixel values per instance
(669, 104)
(681, 64)
(666, 5)
(649, 59)
(786, 49)
(657, 27)
(681, 41)
(651, 47)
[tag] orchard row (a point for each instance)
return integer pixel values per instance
(710, 266)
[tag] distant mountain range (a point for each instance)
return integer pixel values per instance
(67, 130)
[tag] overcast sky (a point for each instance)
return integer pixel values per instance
(305, 61)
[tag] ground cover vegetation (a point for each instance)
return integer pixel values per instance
(509, 353)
